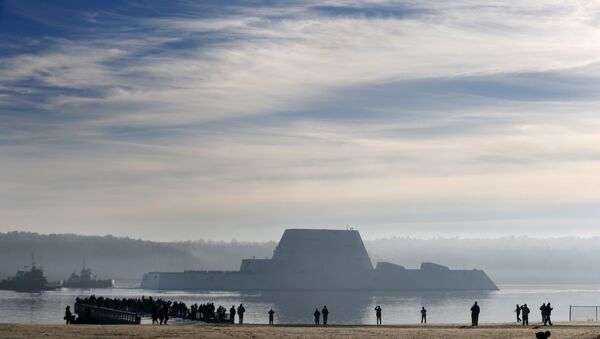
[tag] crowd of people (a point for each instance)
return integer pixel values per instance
(162, 310)
(523, 314)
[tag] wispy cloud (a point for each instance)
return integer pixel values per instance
(244, 115)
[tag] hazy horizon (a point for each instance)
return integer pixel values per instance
(277, 236)
(517, 260)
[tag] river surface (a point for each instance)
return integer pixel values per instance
(345, 307)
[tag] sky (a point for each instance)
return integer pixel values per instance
(182, 120)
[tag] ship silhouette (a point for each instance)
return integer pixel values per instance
(315, 259)
(31, 279)
(85, 279)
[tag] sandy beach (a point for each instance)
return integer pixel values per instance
(566, 330)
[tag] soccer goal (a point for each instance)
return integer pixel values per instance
(583, 313)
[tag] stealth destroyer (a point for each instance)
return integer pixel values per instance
(311, 259)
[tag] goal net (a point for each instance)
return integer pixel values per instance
(583, 313)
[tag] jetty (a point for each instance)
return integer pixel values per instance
(89, 314)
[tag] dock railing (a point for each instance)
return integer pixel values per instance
(89, 314)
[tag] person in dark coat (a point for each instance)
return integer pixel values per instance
(154, 316)
(475, 314)
(378, 314)
(161, 316)
(68, 315)
(232, 314)
(271, 313)
(543, 312)
(240, 312)
(423, 315)
(317, 315)
(325, 313)
(166, 311)
(549, 313)
(518, 312)
(525, 314)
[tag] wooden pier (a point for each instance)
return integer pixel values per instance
(89, 314)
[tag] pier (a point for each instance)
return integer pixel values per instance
(89, 314)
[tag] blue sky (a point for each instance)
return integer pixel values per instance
(237, 119)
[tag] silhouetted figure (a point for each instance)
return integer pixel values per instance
(317, 315)
(475, 310)
(154, 316)
(240, 312)
(232, 314)
(271, 313)
(378, 314)
(543, 311)
(69, 317)
(525, 313)
(325, 313)
(475, 314)
(161, 316)
(423, 315)
(166, 315)
(548, 314)
(542, 335)
(518, 312)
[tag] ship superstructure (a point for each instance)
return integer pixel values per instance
(311, 259)
(31, 279)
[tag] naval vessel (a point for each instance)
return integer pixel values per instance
(314, 259)
(86, 279)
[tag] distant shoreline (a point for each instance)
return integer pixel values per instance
(560, 330)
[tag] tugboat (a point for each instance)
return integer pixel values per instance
(85, 280)
(31, 280)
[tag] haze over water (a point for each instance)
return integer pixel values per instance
(346, 307)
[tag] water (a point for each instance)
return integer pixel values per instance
(345, 307)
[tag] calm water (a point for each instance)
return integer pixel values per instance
(344, 307)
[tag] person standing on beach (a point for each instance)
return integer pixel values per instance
(154, 315)
(423, 315)
(475, 314)
(68, 315)
(161, 315)
(317, 315)
(325, 313)
(548, 313)
(543, 312)
(232, 314)
(240, 312)
(166, 314)
(271, 313)
(525, 312)
(518, 312)
(378, 314)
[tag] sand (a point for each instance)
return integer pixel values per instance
(565, 330)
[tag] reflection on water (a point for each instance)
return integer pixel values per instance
(346, 307)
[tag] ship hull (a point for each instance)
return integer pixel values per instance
(25, 286)
(459, 280)
(90, 284)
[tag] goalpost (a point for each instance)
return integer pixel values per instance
(583, 313)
